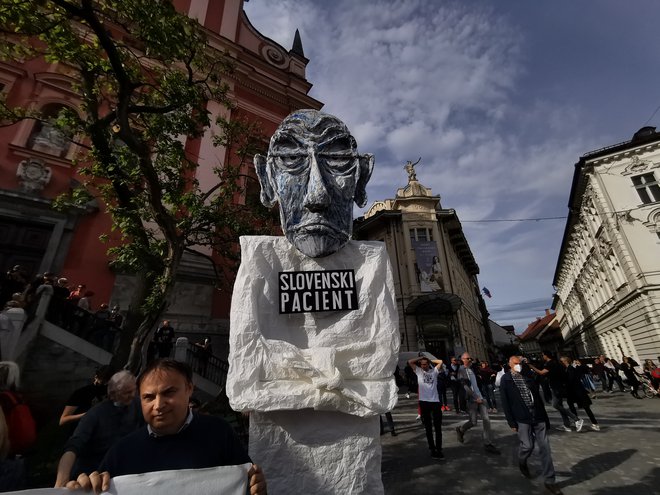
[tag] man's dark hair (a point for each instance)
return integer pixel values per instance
(423, 358)
(549, 354)
(166, 364)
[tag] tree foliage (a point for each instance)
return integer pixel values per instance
(145, 75)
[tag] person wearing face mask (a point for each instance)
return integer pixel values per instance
(100, 428)
(526, 415)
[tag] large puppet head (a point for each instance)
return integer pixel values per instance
(314, 172)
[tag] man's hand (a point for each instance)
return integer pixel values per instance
(480, 401)
(98, 482)
(256, 481)
(514, 430)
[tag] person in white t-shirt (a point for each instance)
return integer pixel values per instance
(429, 403)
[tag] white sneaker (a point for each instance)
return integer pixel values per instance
(418, 418)
(563, 428)
(578, 424)
(408, 396)
(595, 427)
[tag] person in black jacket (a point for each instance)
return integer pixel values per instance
(554, 373)
(628, 368)
(576, 394)
(526, 415)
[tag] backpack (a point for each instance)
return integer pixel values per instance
(20, 423)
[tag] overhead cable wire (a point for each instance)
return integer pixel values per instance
(514, 220)
(539, 219)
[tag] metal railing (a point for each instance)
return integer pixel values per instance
(207, 365)
(80, 322)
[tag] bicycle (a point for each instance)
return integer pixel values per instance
(647, 387)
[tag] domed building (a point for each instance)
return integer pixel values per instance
(435, 274)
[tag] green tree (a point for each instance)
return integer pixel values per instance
(145, 75)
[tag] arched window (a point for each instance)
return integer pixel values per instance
(45, 137)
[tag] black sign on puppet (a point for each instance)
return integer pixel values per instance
(309, 292)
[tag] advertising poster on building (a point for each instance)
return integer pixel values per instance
(429, 271)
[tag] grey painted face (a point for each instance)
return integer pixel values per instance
(314, 172)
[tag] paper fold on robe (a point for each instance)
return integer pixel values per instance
(332, 360)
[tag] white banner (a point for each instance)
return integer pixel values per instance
(222, 480)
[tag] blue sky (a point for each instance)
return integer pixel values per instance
(499, 98)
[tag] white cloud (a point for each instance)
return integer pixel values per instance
(442, 80)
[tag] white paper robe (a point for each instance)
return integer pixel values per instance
(333, 361)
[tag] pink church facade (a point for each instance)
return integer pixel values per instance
(268, 83)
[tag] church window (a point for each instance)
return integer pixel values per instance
(45, 137)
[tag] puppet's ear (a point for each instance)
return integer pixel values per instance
(267, 192)
(366, 166)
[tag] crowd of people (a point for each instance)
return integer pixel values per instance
(70, 307)
(122, 424)
(118, 421)
(147, 424)
(524, 389)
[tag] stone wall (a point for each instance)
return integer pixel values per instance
(50, 373)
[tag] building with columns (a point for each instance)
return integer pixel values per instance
(607, 278)
(267, 84)
(435, 274)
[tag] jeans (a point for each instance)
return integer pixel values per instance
(535, 434)
(473, 408)
(455, 386)
(614, 377)
(390, 422)
(488, 393)
(442, 394)
(432, 418)
(587, 409)
(558, 404)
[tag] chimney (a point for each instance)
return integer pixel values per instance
(547, 312)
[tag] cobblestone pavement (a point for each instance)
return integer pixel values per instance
(621, 459)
